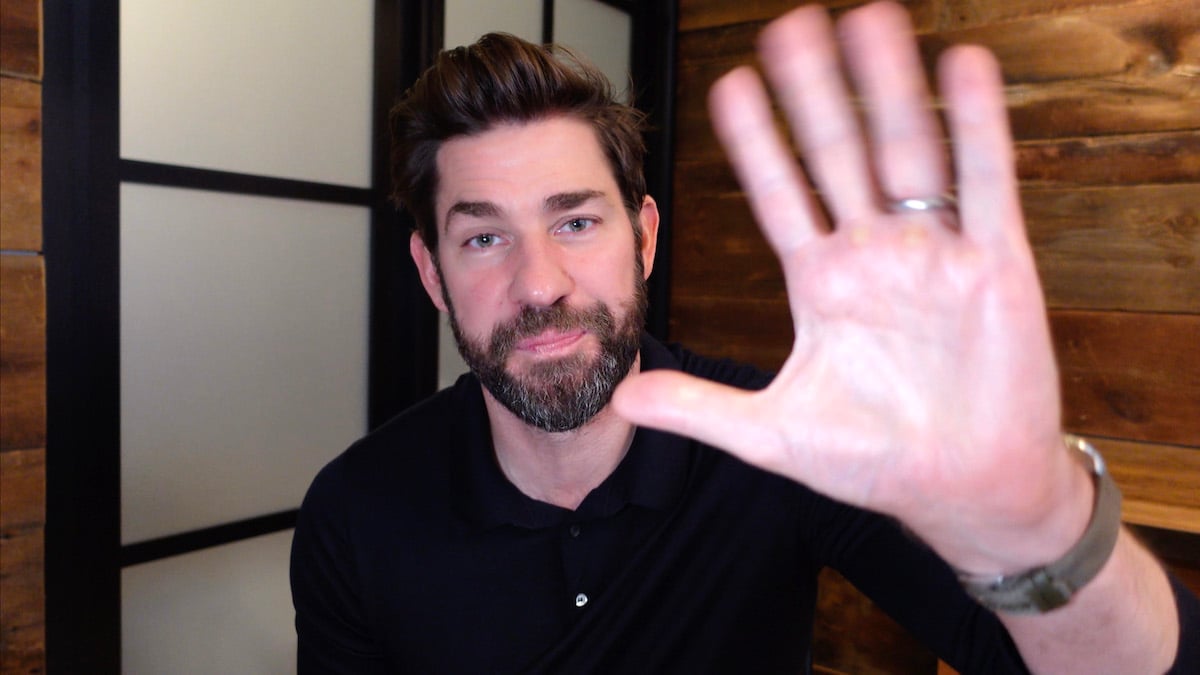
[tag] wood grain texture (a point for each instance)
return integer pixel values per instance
(758, 332)
(960, 14)
(1160, 483)
(20, 164)
(1158, 158)
(22, 598)
(22, 352)
(1133, 41)
(22, 588)
(1131, 248)
(23, 483)
(1129, 375)
(20, 37)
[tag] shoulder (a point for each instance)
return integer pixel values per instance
(406, 455)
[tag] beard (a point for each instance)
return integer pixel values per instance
(564, 393)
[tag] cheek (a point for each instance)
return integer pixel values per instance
(478, 303)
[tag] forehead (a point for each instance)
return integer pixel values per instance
(516, 165)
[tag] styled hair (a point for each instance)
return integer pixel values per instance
(504, 79)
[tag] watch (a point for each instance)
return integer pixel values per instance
(1049, 587)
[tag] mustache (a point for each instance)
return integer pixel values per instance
(531, 321)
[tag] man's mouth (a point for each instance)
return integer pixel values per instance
(551, 341)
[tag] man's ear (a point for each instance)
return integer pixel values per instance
(427, 269)
(648, 221)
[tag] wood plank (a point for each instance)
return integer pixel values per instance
(20, 37)
(1172, 157)
(1129, 375)
(22, 600)
(20, 165)
(1142, 40)
(1121, 248)
(22, 352)
(753, 331)
(958, 14)
(1160, 483)
(1103, 106)
(22, 488)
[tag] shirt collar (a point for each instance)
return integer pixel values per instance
(652, 474)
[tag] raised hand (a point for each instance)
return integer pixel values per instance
(922, 380)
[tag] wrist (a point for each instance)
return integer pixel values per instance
(1029, 515)
(1048, 585)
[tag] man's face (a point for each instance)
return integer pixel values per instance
(538, 267)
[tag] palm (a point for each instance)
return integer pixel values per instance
(912, 356)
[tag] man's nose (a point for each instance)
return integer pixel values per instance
(541, 277)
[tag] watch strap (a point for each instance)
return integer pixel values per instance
(1049, 587)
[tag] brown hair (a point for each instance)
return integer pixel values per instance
(502, 78)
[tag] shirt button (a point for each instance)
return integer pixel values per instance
(574, 530)
(581, 600)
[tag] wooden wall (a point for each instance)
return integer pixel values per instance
(1104, 97)
(22, 342)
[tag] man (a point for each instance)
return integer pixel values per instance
(549, 513)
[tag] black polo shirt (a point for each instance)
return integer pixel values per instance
(413, 553)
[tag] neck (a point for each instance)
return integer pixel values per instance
(558, 468)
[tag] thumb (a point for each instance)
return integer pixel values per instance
(711, 413)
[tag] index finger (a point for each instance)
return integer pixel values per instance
(766, 169)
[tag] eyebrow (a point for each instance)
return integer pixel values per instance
(473, 209)
(563, 201)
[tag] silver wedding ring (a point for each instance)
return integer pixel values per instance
(943, 202)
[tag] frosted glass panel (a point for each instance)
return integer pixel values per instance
(243, 352)
(221, 610)
(466, 20)
(600, 32)
(252, 86)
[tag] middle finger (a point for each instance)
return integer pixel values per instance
(800, 58)
(909, 158)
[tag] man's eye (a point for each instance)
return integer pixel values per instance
(577, 224)
(482, 240)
